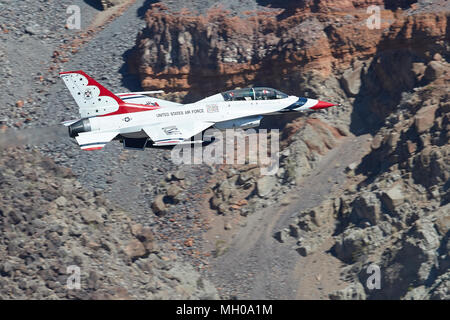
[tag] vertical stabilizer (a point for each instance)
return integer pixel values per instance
(91, 97)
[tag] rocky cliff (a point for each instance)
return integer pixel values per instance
(393, 82)
(395, 212)
(398, 217)
(202, 54)
(186, 53)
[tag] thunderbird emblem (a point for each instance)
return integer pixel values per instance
(88, 94)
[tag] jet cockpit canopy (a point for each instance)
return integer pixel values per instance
(258, 93)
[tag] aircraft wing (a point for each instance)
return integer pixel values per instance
(167, 134)
(95, 140)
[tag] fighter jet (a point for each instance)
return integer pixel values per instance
(139, 120)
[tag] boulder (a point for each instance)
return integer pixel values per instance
(223, 208)
(173, 191)
(61, 201)
(91, 216)
(308, 246)
(135, 249)
(435, 70)
(424, 118)
(352, 166)
(367, 206)
(443, 221)
(225, 189)
(322, 214)
(246, 176)
(265, 185)
(158, 205)
(355, 291)
(179, 175)
(294, 230)
(393, 197)
(281, 236)
(32, 29)
(418, 68)
(216, 201)
(142, 233)
(354, 243)
(351, 80)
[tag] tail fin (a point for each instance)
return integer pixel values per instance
(91, 97)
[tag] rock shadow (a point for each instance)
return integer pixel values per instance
(130, 78)
(94, 4)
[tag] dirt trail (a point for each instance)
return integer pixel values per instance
(103, 16)
(256, 266)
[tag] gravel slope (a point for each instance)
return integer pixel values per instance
(129, 179)
(247, 271)
(30, 31)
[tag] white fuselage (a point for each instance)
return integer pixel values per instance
(137, 120)
(130, 124)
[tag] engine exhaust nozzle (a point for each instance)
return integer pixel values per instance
(83, 125)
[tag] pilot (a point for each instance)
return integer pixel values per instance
(262, 94)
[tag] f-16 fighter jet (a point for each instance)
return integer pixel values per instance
(141, 121)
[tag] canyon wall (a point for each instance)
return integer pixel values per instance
(199, 55)
(393, 83)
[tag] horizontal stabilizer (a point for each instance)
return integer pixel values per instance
(94, 140)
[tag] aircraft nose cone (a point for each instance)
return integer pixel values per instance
(323, 105)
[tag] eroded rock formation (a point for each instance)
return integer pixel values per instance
(397, 214)
(185, 53)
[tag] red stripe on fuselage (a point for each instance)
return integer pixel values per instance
(130, 104)
(130, 108)
(124, 107)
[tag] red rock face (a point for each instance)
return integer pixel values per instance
(200, 55)
(332, 5)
